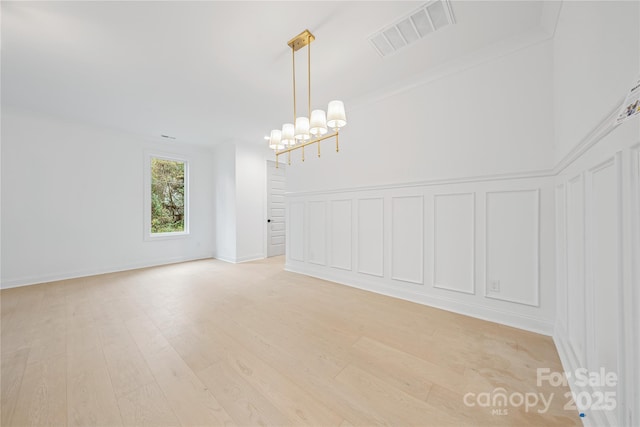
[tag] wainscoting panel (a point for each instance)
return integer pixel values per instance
(392, 240)
(604, 268)
(633, 323)
(371, 236)
(317, 232)
(341, 234)
(561, 255)
(296, 231)
(598, 327)
(575, 267)
(454, 242)
(512, 242)
(407, 239)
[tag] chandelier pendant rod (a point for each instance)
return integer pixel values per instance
(293, 61)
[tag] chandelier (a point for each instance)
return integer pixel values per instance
(314, 127)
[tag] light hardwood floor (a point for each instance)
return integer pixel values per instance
(209, 343)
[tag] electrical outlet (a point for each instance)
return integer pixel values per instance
(495, 286)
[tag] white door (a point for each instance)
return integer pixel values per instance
(275, 209)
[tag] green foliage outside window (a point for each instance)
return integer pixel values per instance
(167, 196)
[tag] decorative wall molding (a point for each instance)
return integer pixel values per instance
(341, 235)
(295, 235)
(434, 255)
(374, 246)
(602, 242)
(513, 232)
(605, 303)
(570, 363)
(429, 183)
(412, 237)
(634, 320)
(392, 252)
(575, 266)
(602, 129)
(561, 254)
(317, 235)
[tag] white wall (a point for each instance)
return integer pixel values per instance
(435, 195)
(508, 171)
(72, 201)
(241, 183)
(251, 185)
(596, 59)
(224, 171)
(494, 118)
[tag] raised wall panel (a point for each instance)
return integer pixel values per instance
(634, 353)
(371, 236)
(407, 239)
(317, 232)
(561, 254)
(512, 242)
(575, 267)
(604, 272)
(454, 242)
(341, 234)
(296, 231)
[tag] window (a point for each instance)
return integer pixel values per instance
(166, 197)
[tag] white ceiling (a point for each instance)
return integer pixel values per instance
(209, 72)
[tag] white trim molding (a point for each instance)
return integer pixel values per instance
(148, 236)
(434, 249)
(534, 259)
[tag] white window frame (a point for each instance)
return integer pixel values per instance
(148, 235)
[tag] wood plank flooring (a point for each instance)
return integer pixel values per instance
(207, 343)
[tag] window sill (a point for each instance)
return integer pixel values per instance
(166, 236)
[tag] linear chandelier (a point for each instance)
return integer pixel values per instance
(310, 129)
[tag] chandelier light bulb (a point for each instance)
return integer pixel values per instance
(336, 117)
(318, 125)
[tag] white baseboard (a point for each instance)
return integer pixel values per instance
(35, 280)
(225, 258)
(570, 364)
(234, 260)
(516, 320)
(249, 258)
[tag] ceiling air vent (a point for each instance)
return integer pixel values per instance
(430, 17)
